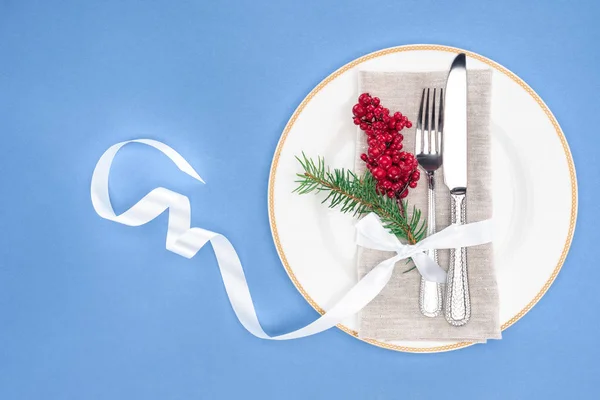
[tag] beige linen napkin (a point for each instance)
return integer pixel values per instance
(394, 314)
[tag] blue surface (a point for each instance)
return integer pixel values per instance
(90, 309)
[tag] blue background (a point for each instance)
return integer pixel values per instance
(90, 309)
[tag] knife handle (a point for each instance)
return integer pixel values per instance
(458, 303)
(430, 298)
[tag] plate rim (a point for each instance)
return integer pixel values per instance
(406, 48)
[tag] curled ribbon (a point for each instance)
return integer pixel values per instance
(187, 241)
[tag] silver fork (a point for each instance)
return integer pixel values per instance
(428, 148)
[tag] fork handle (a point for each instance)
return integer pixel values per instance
(430, 299)
(458, 303)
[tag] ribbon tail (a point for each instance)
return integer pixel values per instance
(428, 268)
(186, 241)
(238, 292)
(355, 300)
(454, 236)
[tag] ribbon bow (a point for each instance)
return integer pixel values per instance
(371, 233)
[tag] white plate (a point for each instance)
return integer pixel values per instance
(534, 212)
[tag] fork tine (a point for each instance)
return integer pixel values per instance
(440, 124)
(426, 128)
(441, 121)
(419, 130)
(433, 136)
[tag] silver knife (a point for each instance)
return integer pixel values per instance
(458, 304)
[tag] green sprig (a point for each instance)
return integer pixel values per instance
(358, 195)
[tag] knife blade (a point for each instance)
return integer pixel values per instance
(455, 126)
(458, 303)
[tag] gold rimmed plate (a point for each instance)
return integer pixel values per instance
(316, 244)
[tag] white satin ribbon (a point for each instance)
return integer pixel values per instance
(371, 233)
(187, 241)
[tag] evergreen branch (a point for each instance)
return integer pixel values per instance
(358, 195)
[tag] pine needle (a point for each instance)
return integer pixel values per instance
(358, 195)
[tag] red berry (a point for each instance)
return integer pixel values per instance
(356, 121)
(374, 152)
(358, 110)
(415, 175)
(391, 194)
(376, 101)
(405, 168)
(404, 194)
(385, 161)
(413, 184)
(369, 116)
(378, 173)
(370, 108)
(399, 126)
(373, 142)
(394, 172)
(398, 116)
(364, 157)
(387, 185)
(364, 99)
(364, 126)
(388, 138)
(409, 124)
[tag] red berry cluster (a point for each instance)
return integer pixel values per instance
(394, 170)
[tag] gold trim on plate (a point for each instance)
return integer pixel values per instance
(398, 49)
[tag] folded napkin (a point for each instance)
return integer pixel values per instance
(394, 314)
